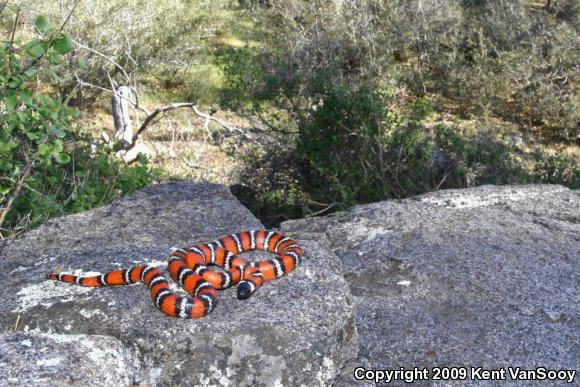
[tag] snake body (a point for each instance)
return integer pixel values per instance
(189, 267)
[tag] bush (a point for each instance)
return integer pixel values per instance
(357, 150)
(557, 168)
(480, 158)
(89, 180)
(334, 74)
(46, 169)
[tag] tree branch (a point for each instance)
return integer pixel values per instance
(16, 189)
(151, 116)
(111, 60)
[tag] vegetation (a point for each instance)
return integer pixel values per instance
(358, 81)
(48, 168)
(346, 102)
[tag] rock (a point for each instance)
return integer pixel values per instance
(296, 330)
(482, 277)
(53, 359)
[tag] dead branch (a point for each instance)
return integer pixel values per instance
(16, 188)
(132, 99)
(151, 116)
(109, 59)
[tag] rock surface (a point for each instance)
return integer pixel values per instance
(296, 330)
(484, 277)
(30, 359)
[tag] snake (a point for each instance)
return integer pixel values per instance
(188, 266)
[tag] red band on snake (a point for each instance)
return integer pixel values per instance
(189, 267)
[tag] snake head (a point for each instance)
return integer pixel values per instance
(245, 290)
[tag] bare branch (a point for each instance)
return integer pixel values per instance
(133, 104)
(2, 6)
(108, 58)
(313, 214)
(211, 118)
(12, 39)
(150, 117)
(16, 189)
(83, 83)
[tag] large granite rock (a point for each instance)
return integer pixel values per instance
(296, 330)
(32, 359)
(484, 277)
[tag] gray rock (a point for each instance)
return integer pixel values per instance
(297, 330)
(483, 277)
(53, 359)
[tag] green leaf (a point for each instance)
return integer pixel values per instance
(70, 111)
(16, 171)
(82, 63)
(52, 74)
(14, 83)
(12, 122)
(35, 48)
(4, 147)
(41, 24)
(22, 117)
(57, 132)
(30, 72)
(26, 96)
(62, 158)
(5, 166)
(10, 102)
(57, 146)
(43, 149)
(4, 190)
(7, 146)
(46, 160)
(63, 44)
(32, 136)
(54, 59)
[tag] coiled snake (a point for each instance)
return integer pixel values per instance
(189, 267)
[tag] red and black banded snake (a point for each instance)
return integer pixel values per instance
(188, 267)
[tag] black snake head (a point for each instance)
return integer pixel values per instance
(245, 290)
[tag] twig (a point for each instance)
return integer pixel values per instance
(104, 56)
(83, 83)
(16, 189)
(321, 211)
(3, 6)
(151, 116)
(212, 118)
(445, 176)
(12, 39)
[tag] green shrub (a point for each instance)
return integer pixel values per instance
(45, 168)
(557, 168)
(480, 158)
(422, 109)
